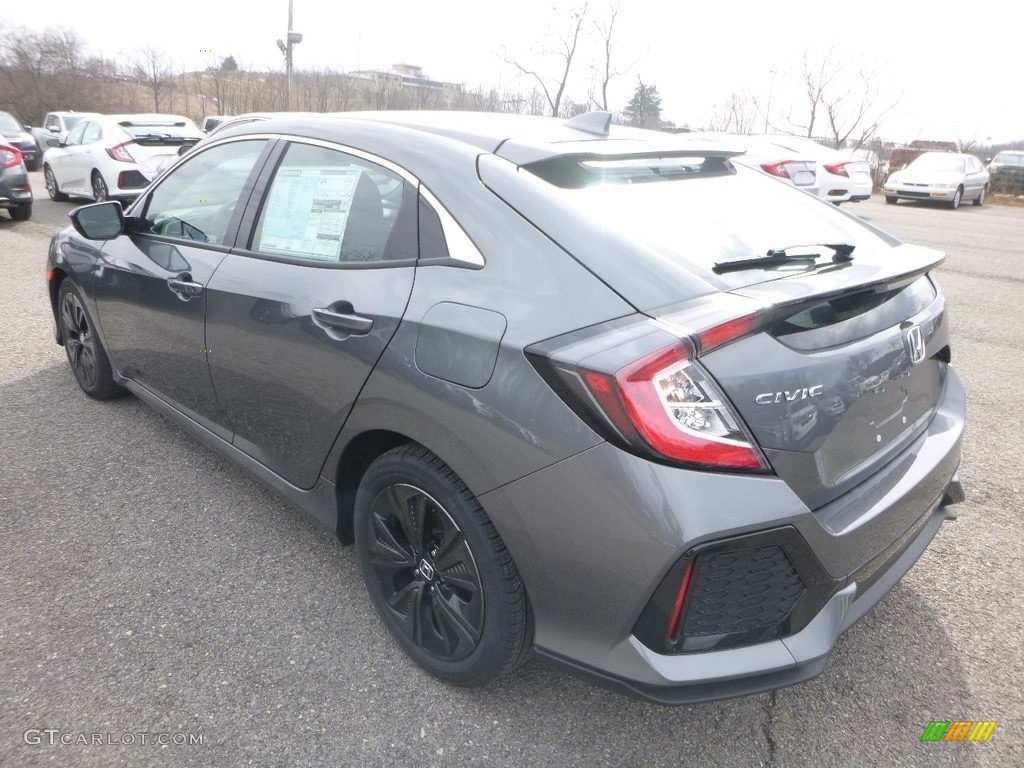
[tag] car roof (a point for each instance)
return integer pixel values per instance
(521, 139)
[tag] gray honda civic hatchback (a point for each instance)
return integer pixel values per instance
(595, 393)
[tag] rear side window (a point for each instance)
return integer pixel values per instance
(327, 206)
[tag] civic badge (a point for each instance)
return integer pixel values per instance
(915, 343)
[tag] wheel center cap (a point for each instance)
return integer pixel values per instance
(426, 570)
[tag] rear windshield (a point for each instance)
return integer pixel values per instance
(729, 213)
(160, 131)
(9, 125)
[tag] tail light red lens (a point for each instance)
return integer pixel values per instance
(677, 608)
(120, 153)
(837, 169)
(11, 156)
(669, 402)
(776, 169)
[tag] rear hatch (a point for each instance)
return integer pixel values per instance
(157, 139)
(842, 343)
(834, 385)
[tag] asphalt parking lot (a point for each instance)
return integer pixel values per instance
(152, 592)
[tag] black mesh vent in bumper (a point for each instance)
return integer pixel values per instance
(741, 590)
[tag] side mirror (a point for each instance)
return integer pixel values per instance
(53, 142)
(184, 149)
(99, 221)
(26, 128)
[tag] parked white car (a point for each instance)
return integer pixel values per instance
(842, 177)
(763, 154)
(113, 156)
(945, 176)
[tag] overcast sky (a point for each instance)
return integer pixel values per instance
(952, 71)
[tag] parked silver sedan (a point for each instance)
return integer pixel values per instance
(943, 176)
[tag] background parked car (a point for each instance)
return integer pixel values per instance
(944, 176)
(56, 125)
(1007, 170)
(15, 191)
(14, 133)
(763, 154)
(114, 156)
(842, 177)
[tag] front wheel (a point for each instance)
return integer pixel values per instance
(958, 196)
(88, 359)
(980, 199)
(438, 574)
(890, 199)
(51, 186)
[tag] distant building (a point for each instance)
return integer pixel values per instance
(417, 87)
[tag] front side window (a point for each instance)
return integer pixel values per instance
(92, 133)
(328, 206)
(198, 198)
(75, 137)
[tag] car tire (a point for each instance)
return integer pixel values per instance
(100, 191)
(21, 212)
(51, 186)
(891, 199)
(88, 360)
(980, 199)
(437, 572)
(958, 196)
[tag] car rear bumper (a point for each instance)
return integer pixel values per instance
(592, 557)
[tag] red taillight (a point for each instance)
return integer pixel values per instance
(776, 169)
(727, 331)
(11, 156)
(667, 401)
(837, 169)
(677, 609)
(120, 153)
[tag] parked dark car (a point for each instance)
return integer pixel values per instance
(1007, 170)
(15, 190)
(570, 388)
(17, 135)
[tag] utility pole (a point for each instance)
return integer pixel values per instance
(294, 38)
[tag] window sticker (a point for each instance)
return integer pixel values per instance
(308, 211)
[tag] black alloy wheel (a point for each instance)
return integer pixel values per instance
(88, 359)
(426, 572)
(437, 571)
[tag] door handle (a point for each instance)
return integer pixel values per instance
(185, 289)
(351, 323)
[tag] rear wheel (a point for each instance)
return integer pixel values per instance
(980, 199)
(51, 186)
(958, 196)
(99, 187)
(891, 199)
(437, 572)
(88, 359)
(22, 212)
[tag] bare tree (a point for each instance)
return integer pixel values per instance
(606, 31)
(842, 106)
(737, 114)
(563, 51)
(152, 69)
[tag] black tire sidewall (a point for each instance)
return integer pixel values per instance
(501, 642)
(105, 387)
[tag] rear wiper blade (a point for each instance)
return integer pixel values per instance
(778, 256)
